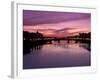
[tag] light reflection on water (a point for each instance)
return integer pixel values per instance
(58, 54)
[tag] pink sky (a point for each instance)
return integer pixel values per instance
(56, 24)
(62, 28)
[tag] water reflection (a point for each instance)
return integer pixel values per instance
(62, 43)
(61, 53)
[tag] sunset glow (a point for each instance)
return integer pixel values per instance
(54, 39)
(55, 24)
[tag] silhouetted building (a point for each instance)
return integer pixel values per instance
(28, 36)
(85, 35)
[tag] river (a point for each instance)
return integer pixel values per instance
(58, 54)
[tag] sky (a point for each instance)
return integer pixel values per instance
(56, 24)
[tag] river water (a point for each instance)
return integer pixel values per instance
(58, 54)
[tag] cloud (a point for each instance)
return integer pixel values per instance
(31, 17)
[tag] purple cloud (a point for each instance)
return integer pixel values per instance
(31, 17)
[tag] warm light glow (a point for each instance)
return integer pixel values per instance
(74, 25)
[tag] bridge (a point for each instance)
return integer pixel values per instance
(49, 40)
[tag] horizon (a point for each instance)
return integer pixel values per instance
(56, 24)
